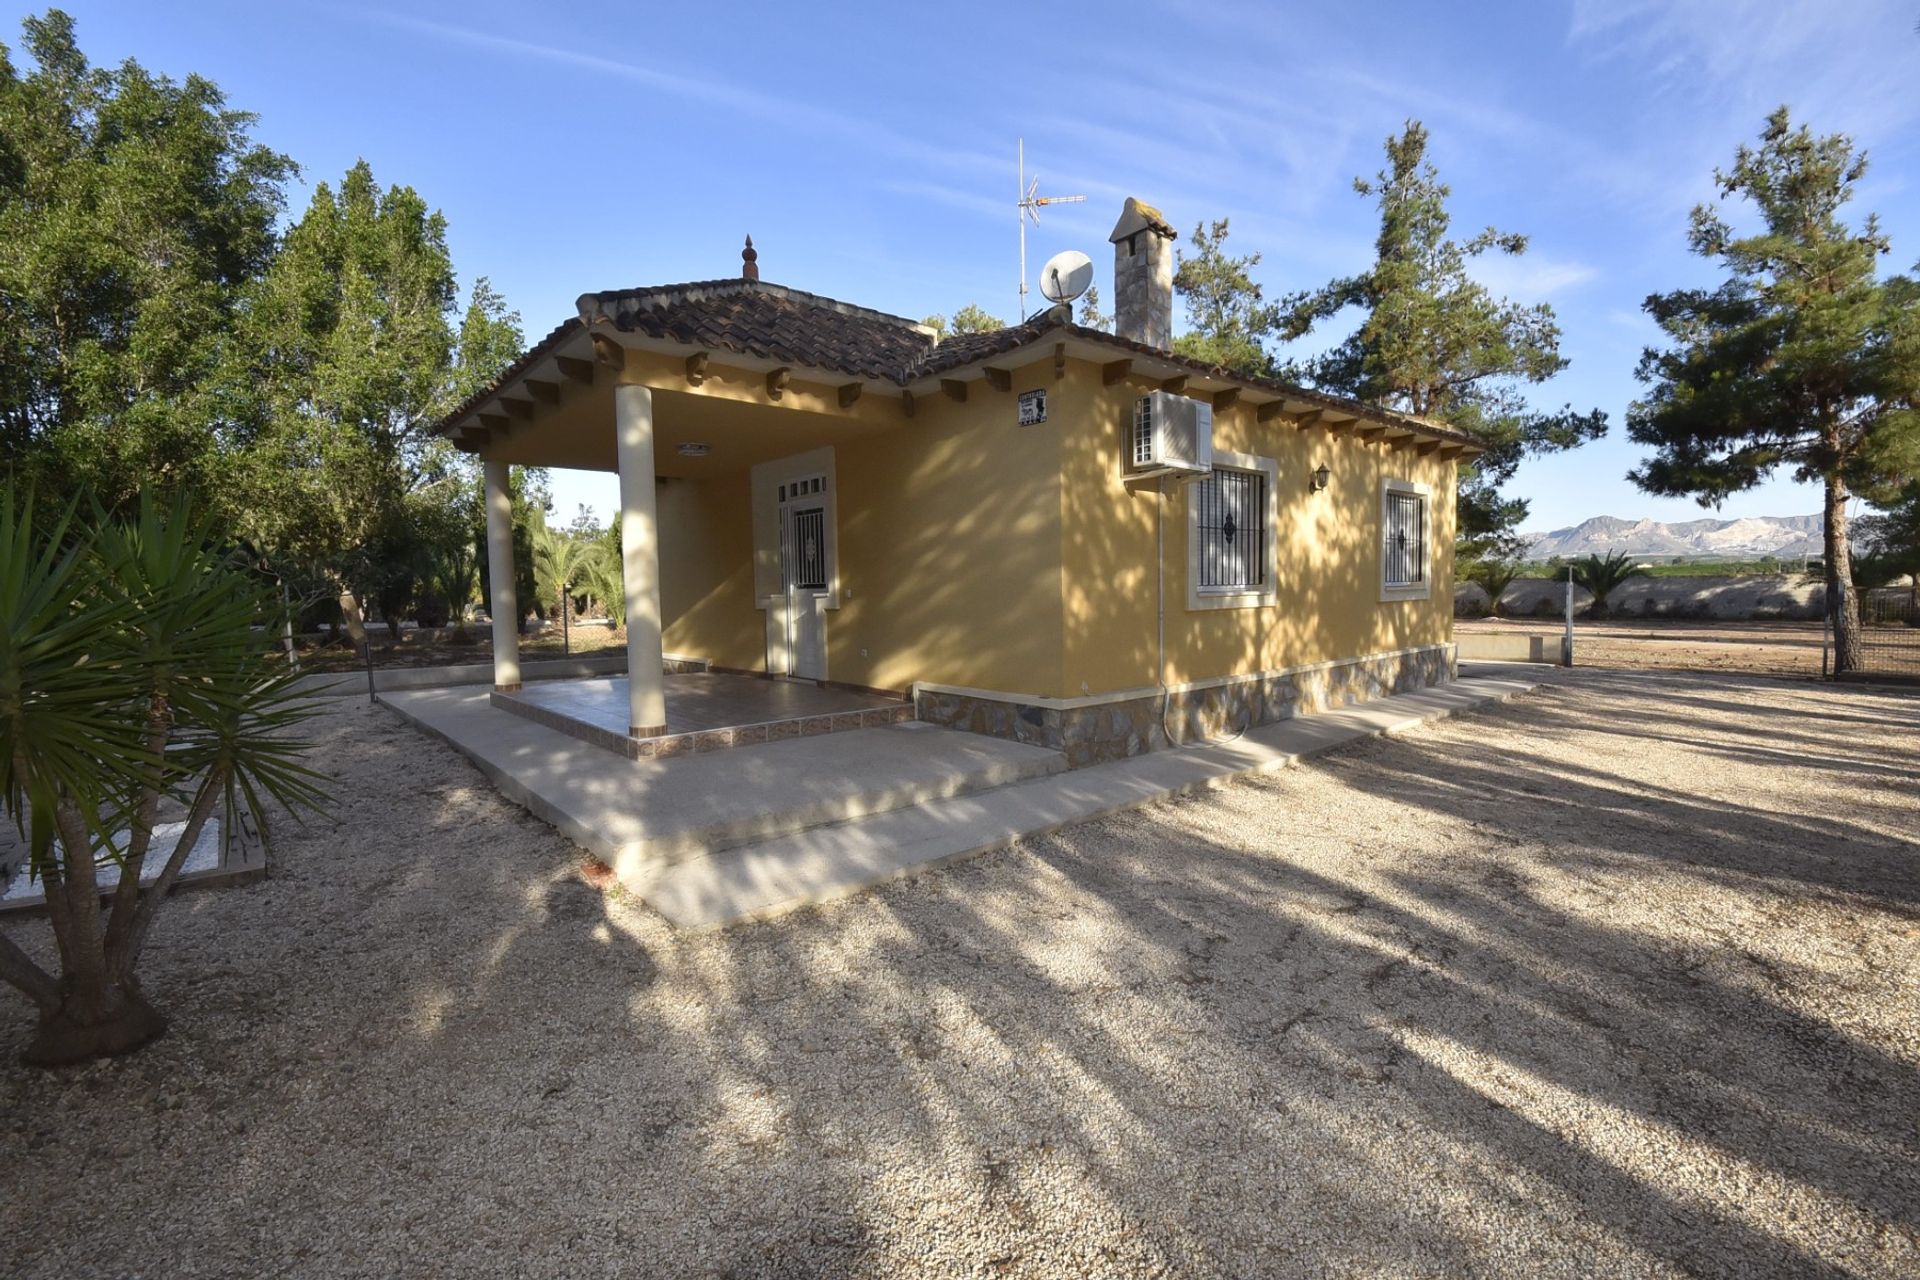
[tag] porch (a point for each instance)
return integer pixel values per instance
(706, 711)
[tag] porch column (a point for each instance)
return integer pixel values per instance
(640, 561)
(506, 604)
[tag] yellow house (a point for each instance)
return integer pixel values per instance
(1022, 530)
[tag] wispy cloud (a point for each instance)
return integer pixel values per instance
(713, 90)
(1845, 64)
(1531, 277)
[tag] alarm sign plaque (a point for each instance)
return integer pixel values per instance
(1033, 407)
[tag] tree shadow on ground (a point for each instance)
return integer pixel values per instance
(1422, 1007)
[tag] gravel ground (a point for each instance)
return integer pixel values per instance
(1620, 979)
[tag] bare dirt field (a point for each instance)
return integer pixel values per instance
(1621, 979)
(1635, 644)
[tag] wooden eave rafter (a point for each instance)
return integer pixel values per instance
(608, 351)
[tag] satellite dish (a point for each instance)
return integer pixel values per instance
(1066, 276)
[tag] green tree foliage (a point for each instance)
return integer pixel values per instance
(1091, 316)
(968, 319)
(1602, 576)
(1892, 541)
(565, 563)
(1494, 577)
(134, 212)
(1800, 358)
(1435, 343)
(131, 673)
(349, 338)
(604, 575)
(1228, 323)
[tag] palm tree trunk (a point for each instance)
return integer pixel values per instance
(98, 1013)
(1843, 603)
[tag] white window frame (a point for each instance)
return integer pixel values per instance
(1234, 598)
(1422, 589)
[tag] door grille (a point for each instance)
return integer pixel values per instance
(806, 550)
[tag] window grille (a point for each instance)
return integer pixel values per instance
(806, 550)
(1230, 519)
(1406, 542)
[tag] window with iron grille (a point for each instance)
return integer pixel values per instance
(803, 534)
(1230, 521)
(1406, 539)
(806, 550)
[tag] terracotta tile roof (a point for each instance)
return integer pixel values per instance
(772, 322)
(768, 321)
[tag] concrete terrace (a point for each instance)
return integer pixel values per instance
(721, 836)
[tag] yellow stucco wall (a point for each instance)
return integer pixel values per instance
(950, 546)
(706, 571)
(1327, 585)
(979, 553)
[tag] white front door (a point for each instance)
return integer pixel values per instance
(806, 579)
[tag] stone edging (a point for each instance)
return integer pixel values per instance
(1132, 722)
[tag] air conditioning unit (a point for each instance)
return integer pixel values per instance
(1170, 434)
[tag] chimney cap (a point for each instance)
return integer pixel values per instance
(750, 261)
(1138, 216)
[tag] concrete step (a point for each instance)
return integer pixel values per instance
(794, 870)
(640, 816)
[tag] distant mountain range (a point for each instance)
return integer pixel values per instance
(1751, 538)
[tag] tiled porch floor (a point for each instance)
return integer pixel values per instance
(705, 711)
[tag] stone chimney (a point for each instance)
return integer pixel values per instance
(1143, 275)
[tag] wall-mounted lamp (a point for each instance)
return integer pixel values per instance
(1319, 479)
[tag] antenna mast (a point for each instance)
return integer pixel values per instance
(1029, 207)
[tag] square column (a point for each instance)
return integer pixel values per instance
(640, 561)
(506, 603)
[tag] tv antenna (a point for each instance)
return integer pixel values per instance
(1029, 207)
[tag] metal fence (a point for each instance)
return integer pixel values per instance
(1889, 635)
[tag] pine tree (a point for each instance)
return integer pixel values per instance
(1800, 358)
(1436, 343)
(1091, 317)
(1228, 322)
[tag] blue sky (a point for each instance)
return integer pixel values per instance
(869, 149)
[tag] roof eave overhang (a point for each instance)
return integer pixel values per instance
(1207, 382)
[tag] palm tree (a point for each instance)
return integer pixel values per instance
(455, 571)
(131, 673)
(1494, 577)
(1601, 577)
(561, 562)
(605, 584)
